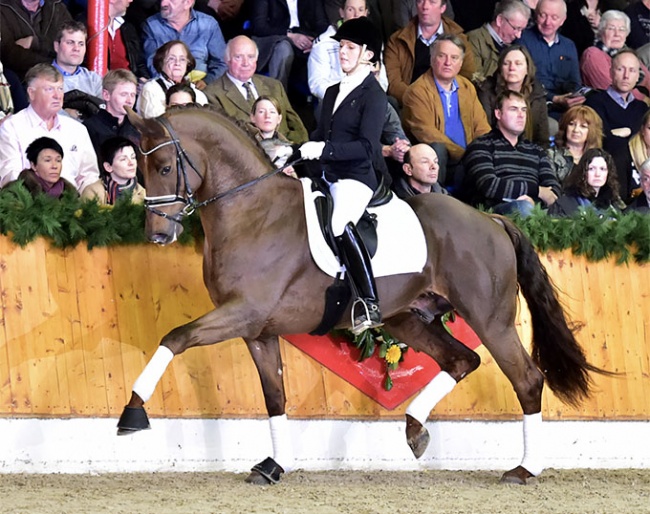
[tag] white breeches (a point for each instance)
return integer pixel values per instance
(351, 198)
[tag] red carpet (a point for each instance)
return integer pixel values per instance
(416, 371)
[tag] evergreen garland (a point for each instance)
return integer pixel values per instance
(70, 221)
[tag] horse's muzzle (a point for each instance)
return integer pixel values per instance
(160, 238)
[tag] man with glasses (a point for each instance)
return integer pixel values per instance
(509, 21)
(41, 118)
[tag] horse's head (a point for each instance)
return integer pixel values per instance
(171, 176)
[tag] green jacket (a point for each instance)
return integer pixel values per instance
(485, 51)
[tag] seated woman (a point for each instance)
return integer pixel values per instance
(592, 183)
(630, 159)
(516, 72)
(173, 61)
(45, 157)
(180, 94)
(120, 166)
(596, 60)
(266, 116)
(580, 129)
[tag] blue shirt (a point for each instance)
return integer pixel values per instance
(453, 124)
(201, 34)
(558, 66)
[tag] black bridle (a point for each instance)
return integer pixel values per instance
(190, 204)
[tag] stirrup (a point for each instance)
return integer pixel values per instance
(369, 317)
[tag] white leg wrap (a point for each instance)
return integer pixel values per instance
(533, 459)
(441, 385)
(149, 378)
(281, 440)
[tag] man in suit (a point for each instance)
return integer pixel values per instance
(284, 32)
(236, 90)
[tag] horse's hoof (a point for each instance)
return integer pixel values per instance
(517, 476)
(417, 437)
(266, 472)
(133, 419)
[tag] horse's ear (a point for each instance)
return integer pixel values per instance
(146, 127)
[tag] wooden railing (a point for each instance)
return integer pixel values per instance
(78, 326)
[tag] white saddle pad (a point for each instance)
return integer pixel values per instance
(401, 247)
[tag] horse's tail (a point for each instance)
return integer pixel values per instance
(555, 349)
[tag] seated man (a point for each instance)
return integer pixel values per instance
(200, 32)
(284, 32)
(621, 113)
(82, 87)
(407, 55)
(441, 106)
(119, 91)
(509, 21)
(41, 118)
(555, 57)
(235, 92)
(28, 29)
(421, 168)
(504, 171)
(124, 43)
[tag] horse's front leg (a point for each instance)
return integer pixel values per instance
(266, 355)
(226, 322)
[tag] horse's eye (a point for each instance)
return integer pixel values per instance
(166, 170)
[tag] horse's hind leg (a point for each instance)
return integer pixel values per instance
(268, 360)
(456, 361)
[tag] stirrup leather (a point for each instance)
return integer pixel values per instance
(368, 317)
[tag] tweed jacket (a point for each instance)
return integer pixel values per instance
(485, 51)
(424, 119)
(222, 93)
(399, 56)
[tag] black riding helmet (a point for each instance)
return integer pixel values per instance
(362, 32)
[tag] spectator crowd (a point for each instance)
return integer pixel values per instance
(505, 105)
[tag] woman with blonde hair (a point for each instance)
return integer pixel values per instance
(630, 159)
(580, 128)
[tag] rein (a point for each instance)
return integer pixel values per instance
(190, 203)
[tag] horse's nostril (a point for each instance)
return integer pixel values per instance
(160, 238)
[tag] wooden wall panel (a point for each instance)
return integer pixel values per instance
(77, 328)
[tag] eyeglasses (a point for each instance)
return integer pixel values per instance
(176, 60)
(516, 29)
(613, 28)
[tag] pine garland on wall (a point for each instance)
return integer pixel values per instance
(71, 221)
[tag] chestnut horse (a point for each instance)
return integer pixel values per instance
(262, 279)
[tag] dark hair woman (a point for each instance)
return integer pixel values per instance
(592, 183)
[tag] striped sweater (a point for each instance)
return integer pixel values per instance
(498, 172)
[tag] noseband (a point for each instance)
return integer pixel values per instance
(188, 200)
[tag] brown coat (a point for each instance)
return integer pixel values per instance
(399, 56)
(424, 118)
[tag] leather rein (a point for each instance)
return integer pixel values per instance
(190, 204)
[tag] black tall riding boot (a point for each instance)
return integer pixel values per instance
(353, 254)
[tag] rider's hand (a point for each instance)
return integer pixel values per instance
(312, 149)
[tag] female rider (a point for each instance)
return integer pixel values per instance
(347, 143)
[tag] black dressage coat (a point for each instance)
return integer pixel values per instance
(352, 133)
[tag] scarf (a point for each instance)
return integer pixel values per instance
(609, 51)
(54, 190)
(115, 190)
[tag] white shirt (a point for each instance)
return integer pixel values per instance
(351, 82)
(293, 13)
(152, 100)
(324, 65)
(19, 130)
